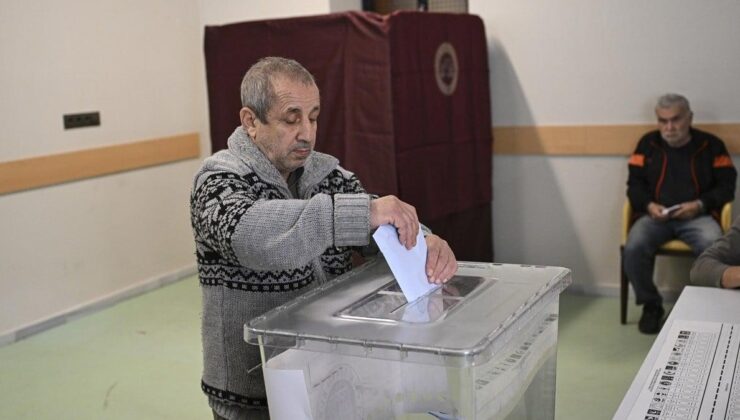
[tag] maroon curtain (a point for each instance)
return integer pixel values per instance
(384, 113)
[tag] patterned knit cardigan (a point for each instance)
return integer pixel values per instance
(258, 248)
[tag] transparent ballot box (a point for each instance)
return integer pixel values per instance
(483, 346)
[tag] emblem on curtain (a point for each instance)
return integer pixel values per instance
(446, 69)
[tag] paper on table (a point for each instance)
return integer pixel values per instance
(407, 265)
(693, 375)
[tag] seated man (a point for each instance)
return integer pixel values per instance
(679, 178)
(273, 219)
(719, 265)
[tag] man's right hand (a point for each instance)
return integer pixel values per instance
(655, 211)
(391, 210)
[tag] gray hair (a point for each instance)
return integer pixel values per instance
(673, 99)
(257, 91)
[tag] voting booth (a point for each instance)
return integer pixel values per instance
(483, 346)
(405, 105)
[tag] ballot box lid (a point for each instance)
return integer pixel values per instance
(364, 313)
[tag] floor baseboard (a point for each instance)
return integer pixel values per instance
(96, 305)
(669, 295)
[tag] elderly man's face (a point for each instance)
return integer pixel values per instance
(288, 136)
(674, 123)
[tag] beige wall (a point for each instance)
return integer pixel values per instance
(140, 63)
(229, 11)
(137, 62)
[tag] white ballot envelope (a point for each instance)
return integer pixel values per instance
(407, 265)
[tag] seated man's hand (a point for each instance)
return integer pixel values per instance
(441, 262)
(731, 277)
(655, 211)
(688, 210)
(391, 210)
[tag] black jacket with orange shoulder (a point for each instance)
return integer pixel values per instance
(711, 170)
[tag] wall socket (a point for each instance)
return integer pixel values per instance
(87, 119)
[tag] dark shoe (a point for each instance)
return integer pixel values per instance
(652, 315)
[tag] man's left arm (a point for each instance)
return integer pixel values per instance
(722, 191)
(725, 176)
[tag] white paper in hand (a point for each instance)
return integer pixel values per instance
(407, 265)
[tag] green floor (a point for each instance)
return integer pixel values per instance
(141, 360)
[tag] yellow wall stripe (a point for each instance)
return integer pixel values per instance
(590, 139)
(580, 140)
(23, 174)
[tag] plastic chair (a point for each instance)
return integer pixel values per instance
(673, 247)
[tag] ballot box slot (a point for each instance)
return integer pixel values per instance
(388, 304)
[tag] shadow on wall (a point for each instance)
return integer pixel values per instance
(532, 220)
(509, 105)
(563, 211)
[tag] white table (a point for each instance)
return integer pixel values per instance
(694, 304)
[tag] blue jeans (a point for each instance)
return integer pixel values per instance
(647, 235)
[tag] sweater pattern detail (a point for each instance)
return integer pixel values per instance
(224, 198)
(240, 278)
(232, 396)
